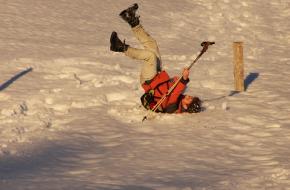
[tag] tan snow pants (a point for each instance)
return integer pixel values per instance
(150, 54)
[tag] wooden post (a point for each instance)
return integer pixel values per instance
(238, 66)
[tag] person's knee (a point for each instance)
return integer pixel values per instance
(151, 57)
(151, 44)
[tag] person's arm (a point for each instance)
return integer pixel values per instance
(185, 76)
(180, 87)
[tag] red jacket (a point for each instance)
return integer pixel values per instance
(161, 83)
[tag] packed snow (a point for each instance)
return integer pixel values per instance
(70, 112)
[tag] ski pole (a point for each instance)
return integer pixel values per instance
(205, 46)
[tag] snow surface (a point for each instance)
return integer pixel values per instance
(70, 116)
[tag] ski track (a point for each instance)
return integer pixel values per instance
(74, 121)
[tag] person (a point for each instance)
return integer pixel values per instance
(155, 81)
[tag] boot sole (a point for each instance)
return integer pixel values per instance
(112, 39)
(133, 8)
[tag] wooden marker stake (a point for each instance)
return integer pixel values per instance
(238, 66)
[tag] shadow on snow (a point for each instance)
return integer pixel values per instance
(14, 78)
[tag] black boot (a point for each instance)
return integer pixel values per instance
(129, 15)
(116, 44)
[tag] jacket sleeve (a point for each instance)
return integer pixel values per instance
(178, 90)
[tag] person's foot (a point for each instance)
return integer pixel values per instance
(116, 44)
(129, 15)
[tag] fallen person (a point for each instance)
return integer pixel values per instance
(155, 81)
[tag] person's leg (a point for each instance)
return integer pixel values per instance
(129, 15)
(149, 43)
(149, 67)
(146, 40)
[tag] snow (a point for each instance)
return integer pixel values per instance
(70, 114)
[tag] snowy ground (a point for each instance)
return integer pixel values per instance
(70, 116)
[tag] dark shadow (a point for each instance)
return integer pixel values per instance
(49, 157)
(127, 187)
(14, 78)
(212, 99)
(250, 78)
(232, 93)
